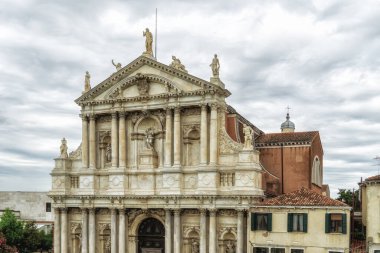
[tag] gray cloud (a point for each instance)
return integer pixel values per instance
(316, 56)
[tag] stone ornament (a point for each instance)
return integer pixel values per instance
(63, 149)
(176, 63)
(195, 246)
(230, 247)
(117, 66)
(142, 84)
(148, 42)
(87, 85)
(149, 138)
(248, 136)
(215, 66)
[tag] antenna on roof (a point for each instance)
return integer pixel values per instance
(155, 35)
(378, 159)
(288, 108)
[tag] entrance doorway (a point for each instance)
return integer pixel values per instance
(151, 236)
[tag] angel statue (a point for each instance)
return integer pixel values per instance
(117, 66)
(230, 248)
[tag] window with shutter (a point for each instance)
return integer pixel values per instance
(297, 222)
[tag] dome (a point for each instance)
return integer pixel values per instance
(287, 126)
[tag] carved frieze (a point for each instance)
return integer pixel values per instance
(148, 212)
(188, 128)
(191, 111)
(227, 212)
(190, 212)
(104, 118)
(77, 154)
(74, 226)
(142, 83)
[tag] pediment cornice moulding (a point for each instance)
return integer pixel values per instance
(205, 87)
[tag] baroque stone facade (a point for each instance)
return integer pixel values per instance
(156, 170)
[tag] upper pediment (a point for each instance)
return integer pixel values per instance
(145, 78)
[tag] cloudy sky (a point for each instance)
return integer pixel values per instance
(322, 58)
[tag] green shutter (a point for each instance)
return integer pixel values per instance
(290, 222)
(305, 222)
(254, 221)
(344, 223)
(269, 222)
(327, 223)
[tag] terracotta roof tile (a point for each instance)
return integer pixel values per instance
(302, 197)
(278, 138)
(373, 178)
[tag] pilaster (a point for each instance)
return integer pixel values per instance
(92, 141)
(114, 141)
(84, 141)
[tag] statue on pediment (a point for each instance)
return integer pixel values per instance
(176, 63)
(248, 135)
(87, 85)
(63, 149)
(117, 66)
(148, 42)
(215, 66)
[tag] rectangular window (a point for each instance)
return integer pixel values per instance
(296, 251)
(260, 250)
(48, 207)
(336, 223)
(277, 250)
(74, 182)
(297, 222)
(261, 221)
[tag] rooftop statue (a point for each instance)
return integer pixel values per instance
(63, 149)
(215, 66)
(148, 42)
(87, 85)
(248, 133)
(117, 66)
(176, 63)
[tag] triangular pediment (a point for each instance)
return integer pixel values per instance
(145, 77)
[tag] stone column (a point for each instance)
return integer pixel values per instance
(177, 231)
(92, 142)
(122, 230)
(213, 134)
(168, 138)
(64, 241)
(212, 232)
(84, 231)
(203, 232)
(122, 141)
(113, 231)
(204, 144)
(114, 143)
(177, 136)
(240, 232)
(57, 231)
(92, 231)
(168, 231)
(84, 141)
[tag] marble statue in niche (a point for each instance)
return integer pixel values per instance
(149, 138)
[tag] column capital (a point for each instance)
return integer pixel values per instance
(213, 212)
(202, 211)
(64, 210)
(177, 212)
(92, 116)
(177, 110)
(84, 210)
(57, 210)
(121, 210)
(203, 106)
(122, 114)
(113, 210)
(83, 116)
(114, 114)
(91, 211)
(214, 106)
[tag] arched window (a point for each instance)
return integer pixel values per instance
(316, 172)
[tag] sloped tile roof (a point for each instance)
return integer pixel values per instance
(302, 197)
(286, 138)
(373, 178)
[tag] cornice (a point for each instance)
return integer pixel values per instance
(140, 61)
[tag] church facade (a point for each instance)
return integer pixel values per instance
(157, 170)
